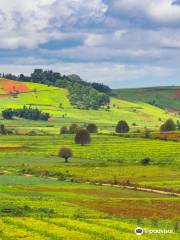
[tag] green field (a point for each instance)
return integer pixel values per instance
(167, 97)
(42, 197)
(55, 101)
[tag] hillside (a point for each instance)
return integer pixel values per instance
(55, 101)
(164, 97)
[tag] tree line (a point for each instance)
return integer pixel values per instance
(27, 113)
(82, 95)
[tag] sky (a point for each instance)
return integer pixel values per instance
(121, 43)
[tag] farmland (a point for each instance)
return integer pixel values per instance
(166, 97)
(55, 101)
(42, 197)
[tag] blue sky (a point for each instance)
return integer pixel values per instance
(122, 43)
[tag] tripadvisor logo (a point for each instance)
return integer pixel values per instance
(139, 231)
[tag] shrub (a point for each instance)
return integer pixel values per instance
(92, 128)
(122, 127)
(147, 133)
(2, 129)
(82, 137)
(145, 161)
(64, 130)
(169, 125)
(65, 153)
(7, 114)
(73, 128)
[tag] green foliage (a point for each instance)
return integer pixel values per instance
(64, 130)
(7, 113)
(82, 94)
(65, 153)
(145, 161)
(2, 129)
(147, 133)
(73, 128)
(86, 97)
(101, 88)
(168, 126)
(82, 137)
(122, 127)
(163, 97)
(27, 113)
(92, 128)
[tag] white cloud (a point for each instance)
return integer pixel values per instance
(29, 23)
(158, 10)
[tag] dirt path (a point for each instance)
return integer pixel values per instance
(141, 189)
(112, 185)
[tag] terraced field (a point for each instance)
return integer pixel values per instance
(56, 210)
(41, 197)
(55, 101)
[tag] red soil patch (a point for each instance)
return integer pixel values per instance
(147, 118)
(178, 93)
(135, 208)
(168, 136)
(10, 86)
(88, 192)
(13, 148)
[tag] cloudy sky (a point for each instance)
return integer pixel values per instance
(123, 43)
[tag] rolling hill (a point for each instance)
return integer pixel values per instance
(55, 101)
(163, 97)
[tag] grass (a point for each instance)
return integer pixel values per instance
(41, 197)
(103, 160)
(59, 210)
(55, 101)
(167, 97)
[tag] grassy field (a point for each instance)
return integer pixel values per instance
(57, 210)
(167, 97)
(55, 101)
(42, 197)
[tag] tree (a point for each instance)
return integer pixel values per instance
(2, 129)
(147, 133)
(122, 127)
(82, 137)
(65, 153)
(92, 128)
(73, 128)
(145, 161)
(64, 130)
(7, 114)
(169, 125)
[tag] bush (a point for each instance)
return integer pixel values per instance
(147, 133)
(92, 128)
(73, 128)
(27, 113)
(145, 161)
(7, 114)
(65, 153)
(122, 127)
(2, 129)
(82, 137)
(169, 125)
(64, 130)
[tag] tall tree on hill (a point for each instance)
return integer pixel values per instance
(122, 127)
(82, 137)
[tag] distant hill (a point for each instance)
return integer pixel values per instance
(163, 97)
(56, 102)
